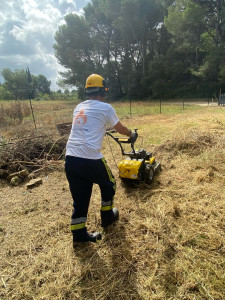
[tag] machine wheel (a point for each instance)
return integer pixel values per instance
(149, 174)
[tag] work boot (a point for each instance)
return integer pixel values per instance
(82, 236)
(109, 216)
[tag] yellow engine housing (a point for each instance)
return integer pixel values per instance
(129, 168)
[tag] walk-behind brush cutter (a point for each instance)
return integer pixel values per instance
(138, 165)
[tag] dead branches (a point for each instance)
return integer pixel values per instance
(30, 153)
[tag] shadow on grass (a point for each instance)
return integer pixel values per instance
(108, 270)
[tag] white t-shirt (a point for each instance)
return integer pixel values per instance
(90, 120)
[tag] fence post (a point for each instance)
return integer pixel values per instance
(160, 105)
(130, 109)
(32, 113)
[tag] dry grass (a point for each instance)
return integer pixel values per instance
(168, 244)
(13, 112)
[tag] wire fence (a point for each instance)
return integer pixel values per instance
(60, 111)
(221, 100)
(132, 108)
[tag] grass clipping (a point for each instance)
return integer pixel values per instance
(168, 243)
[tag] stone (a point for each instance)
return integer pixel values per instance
(34, 183)
(16, 180)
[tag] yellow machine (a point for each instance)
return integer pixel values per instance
(138, 164)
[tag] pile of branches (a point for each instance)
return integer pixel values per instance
(31, 153)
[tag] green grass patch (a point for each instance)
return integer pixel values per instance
(125, 109)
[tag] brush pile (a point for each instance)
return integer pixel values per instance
(31, 153)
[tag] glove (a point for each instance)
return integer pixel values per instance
(133, 137)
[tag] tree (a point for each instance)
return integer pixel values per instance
(145, 48)
(194, 29)
(73, 50)
(5, 94)
(105, 41)
(102, 17)
(214, 19)
(42, 84)
(66, 92)
(22, 85)
(29, 85)
(15, 82)
(185, 21)
(213, 66)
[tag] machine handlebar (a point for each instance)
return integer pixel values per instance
(122, 140)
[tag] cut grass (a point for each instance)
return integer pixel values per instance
(168, 243)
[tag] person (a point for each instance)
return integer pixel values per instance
(84, 163)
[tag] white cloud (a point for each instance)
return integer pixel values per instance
(66, 1)
(37, 22)
(27, 29)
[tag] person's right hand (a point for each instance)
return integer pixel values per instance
(133, 137)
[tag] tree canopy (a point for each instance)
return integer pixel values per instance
(146, 48)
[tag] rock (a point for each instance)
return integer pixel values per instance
(16, 180)
(34, 183)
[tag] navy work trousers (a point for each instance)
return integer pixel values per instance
(82, 173)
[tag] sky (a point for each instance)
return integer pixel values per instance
(27, 29)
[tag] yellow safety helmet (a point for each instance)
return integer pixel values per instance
(95, 84)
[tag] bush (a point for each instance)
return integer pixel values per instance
(4, 94)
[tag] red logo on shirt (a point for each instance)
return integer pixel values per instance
(81, 118)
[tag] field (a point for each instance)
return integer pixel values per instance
(169, 242)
